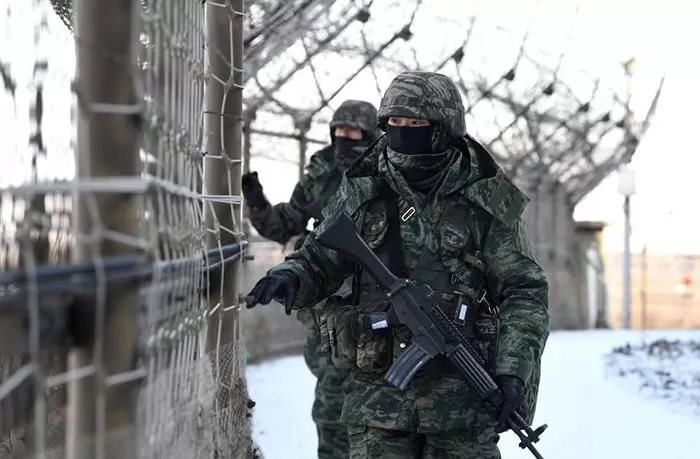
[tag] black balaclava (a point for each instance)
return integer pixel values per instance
(412, 150)
(348, 150)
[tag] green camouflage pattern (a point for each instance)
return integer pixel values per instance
(285, 220)
(328, 404)
(356, 114)
(478, 441)
(424, 95)
(512, 273)
(421, 171)
(280, 223)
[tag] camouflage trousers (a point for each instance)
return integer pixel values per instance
(372, 442)
(328, 401)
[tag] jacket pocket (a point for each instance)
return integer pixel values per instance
(338, 335)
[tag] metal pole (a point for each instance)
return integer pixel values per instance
(107, 146)
(222, 164)
(626, 265)
(248, 118)
(223, 127)
(644, 287)
(302, 128)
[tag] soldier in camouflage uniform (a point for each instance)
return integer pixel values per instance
(433, 204)
(352, 130)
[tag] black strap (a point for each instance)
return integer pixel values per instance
(393, 233)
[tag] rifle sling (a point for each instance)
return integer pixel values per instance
(397, 262)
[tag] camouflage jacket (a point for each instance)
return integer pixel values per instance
(514, 277)
(286, 220)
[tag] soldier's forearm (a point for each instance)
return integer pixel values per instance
(277, 223)
(320, 272)
(524, 329)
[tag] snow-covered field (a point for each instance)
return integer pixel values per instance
(590, 398)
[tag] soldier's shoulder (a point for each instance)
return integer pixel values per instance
(320, 163)
(355, 191)
(491, 189)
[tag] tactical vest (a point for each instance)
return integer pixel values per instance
(450, 264)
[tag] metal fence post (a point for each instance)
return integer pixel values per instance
(223, 130)
(107, 146)
(302, 128)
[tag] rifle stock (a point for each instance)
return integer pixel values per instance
(340, 235)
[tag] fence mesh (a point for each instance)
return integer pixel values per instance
(119, 241)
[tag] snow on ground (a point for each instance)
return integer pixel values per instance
(667, 370)
(590, 410)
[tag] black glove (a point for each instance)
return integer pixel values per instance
(512, 393)
(253, 190)
(281, 285)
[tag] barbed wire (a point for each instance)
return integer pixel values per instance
(540, 128)
(534, 114)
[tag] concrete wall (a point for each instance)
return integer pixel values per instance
(658, 299)
(549, 218)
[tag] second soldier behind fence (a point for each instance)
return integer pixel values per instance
(435, 207)
(352, 130)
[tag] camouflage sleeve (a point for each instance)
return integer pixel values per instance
(519, 286)
(321, 271)
(285, 220)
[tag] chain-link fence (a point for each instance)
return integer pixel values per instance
(120, 238)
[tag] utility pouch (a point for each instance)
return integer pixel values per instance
(374, 347)
(338, 336)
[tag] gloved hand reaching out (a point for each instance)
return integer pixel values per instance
(252, 190)
(279, 285)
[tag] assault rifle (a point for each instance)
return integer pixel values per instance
(434, 334)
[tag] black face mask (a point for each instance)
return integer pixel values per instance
(348, 150)
(410, 140)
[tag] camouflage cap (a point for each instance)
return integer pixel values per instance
(357, 114)
(425, 95)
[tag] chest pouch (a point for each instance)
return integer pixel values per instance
(373, 350)
(463, 287)
(474, 311)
